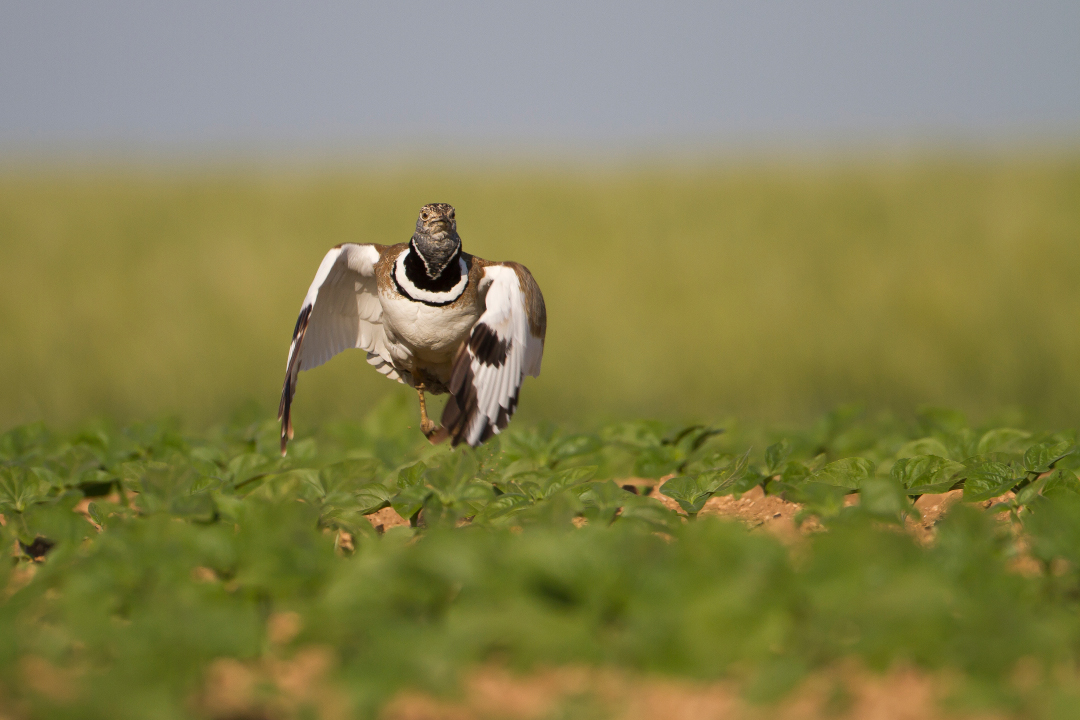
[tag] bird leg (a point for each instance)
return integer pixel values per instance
(426, 425)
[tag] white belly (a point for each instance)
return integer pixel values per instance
(432, 334)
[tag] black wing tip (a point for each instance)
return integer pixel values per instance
(286, 430)
(301, 321)
(288, 389)
(286, 427)
(283, 404)
(284, 413)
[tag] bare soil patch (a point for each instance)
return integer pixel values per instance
(756, 510)
(847, 693)
(770, 513)
(385, 519)
(280, 685)
(773, 514)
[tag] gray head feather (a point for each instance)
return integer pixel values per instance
(436, 239)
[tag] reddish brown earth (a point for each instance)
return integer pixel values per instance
(386, 519)
(754, 508)
(848, 693)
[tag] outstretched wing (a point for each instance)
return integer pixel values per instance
(341, 311)
(505, 344)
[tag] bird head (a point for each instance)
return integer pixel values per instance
(436, 221)
(436, 237)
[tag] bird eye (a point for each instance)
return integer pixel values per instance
(424, 216)
(451, 215)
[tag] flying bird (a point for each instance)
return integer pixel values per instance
(428, 315)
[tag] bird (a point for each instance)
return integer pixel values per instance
(431, 316)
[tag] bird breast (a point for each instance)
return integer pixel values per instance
(432, 333)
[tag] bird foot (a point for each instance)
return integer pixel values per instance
(432, 432)
(437, 434)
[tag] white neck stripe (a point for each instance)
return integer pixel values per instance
(441, 298)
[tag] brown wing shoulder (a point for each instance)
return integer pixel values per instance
(388, 255)
(534, 299)
(476, 266)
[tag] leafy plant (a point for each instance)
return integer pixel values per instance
(693, 491)
(144, 560)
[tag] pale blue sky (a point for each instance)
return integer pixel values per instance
(281, 76)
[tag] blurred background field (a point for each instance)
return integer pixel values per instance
(764, 290)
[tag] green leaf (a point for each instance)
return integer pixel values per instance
(727, 476)
(693, 491)
(348, 475)
(1060, 483)
(475, 494)
(199, 507)
(923, 446)
(795, 473)
(848, 473)
(410, 499)
(71, 467)
(411, 475)
(884, 499)
(658, 461)
(987, 480)
(1040, 458)
(99, 512)
(691, 438)
(823, 500)
(303, 450)
(565, 479)
(926, 474)
(502, 507)
(747, 481)
(574, 446)
(775, 457)
(58, 523)
(602, 500)
(817, 462)
(1001, 440)
(648, 512)
(244, 469)
(20, 488)
(373, 497)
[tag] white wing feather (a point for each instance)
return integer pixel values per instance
(501, 350)
(340, 311)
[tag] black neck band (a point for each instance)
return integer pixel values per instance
(416, 271)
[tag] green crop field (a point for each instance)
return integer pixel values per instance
(729, 485)
(174, 562)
